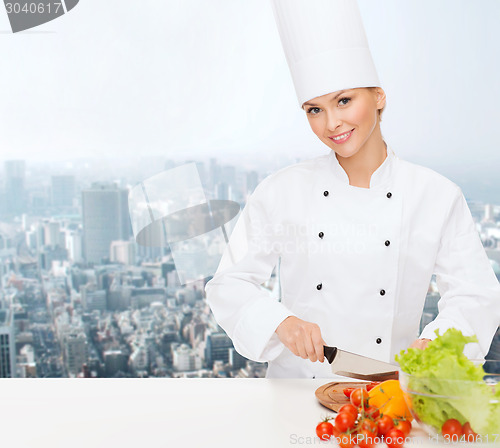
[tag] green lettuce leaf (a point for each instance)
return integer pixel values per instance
(455, 383)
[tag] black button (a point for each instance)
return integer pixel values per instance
(378, 341)
(387, 242)
(389, 194)
(321, 234)
(318, 287)
(382, 292)
(325, 193)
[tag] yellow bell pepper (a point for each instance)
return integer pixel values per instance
(389, 398)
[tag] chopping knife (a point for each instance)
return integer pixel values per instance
(360, 367)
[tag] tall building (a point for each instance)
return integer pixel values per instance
(217, 348)
(252, 179)
(213, 173)
(75, 351)
(115, 361)
(105, 219)
(222, 191)
(15, 193)
(236, 360)
(52, 234)
(93, 298)
(7, 345)
(123, 252)
(63, 191)
(185, 359)
(74, 245)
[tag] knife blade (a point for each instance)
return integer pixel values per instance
(360, 367)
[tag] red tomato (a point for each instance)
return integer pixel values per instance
(349, 408)
(452, 430)
(385, 424)
(367, 439)
(394, 438)
(370, 425)
(347, 440)
(344, 421)
(470, 435)
(324, 430)
(359, 395)
(370, 386)
(403, 425)
(372, 411)
(348, 391)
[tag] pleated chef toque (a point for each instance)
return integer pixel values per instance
(325, 46)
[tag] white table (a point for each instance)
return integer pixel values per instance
(161, 412)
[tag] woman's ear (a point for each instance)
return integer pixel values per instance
(380, 97)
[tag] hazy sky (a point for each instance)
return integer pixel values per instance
(209, 79)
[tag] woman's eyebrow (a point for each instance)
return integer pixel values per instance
(334, 98)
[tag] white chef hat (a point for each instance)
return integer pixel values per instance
(325, 46)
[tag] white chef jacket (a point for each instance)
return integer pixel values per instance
(356, 261)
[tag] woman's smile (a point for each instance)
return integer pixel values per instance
(341, 138)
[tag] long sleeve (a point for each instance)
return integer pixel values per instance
(470, 292)
(242, 307)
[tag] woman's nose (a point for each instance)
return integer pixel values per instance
(333, 122)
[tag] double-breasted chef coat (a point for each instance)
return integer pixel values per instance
(356, 261)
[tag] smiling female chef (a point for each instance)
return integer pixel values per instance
(358, 232)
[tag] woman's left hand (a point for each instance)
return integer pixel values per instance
(420, 343)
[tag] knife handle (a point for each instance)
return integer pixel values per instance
(330, 353)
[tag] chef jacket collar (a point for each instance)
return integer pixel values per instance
(380, 177)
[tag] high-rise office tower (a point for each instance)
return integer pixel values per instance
(115, 361)
(63, 191)
(53, 236)
(213, 173)
(217, 348)
(252, 179)
(123, 252)
(74, 242)
(75, 351)
(15, 193)
(222, 191)
(105, 219)
(7, 345)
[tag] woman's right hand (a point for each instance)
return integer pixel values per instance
(302, 338)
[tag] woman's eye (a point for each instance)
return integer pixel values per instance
(310, 110)
(346, 100)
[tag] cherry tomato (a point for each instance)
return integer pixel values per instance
(372, 412)
(452, 430)
(348, 391)
(347, 440)
(394, 438)
(344, 421)
(325, 430)
(370, 425)
(385, 424)
(349, 408)
(403, 425)
(371, 385)
(470, 435)
(359, 395)
(367, 439)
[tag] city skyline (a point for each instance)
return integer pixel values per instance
(108, 307)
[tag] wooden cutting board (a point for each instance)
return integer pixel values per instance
(331, 395)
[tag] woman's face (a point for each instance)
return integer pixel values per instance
(345, 120)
